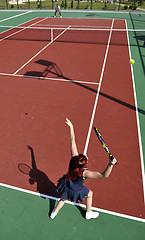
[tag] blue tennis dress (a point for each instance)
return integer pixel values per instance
(72, 190)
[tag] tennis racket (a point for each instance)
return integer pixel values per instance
(103, 144)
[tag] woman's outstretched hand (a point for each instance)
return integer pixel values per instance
(74, 151)
(68, 122)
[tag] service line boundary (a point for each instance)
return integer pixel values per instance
(41, 50)
(49, 78)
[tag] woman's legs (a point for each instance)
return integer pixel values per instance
(59, 205)
(89, 201)
(89, 213)
(56, 210)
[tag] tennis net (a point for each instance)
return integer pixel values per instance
(73, 35)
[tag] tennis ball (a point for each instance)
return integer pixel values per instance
(132, 61)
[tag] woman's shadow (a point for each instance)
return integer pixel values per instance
(44, 186)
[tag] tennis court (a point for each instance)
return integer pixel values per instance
(76, 67)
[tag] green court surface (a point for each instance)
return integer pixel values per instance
(26, 216)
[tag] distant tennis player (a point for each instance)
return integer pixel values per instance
(70, 186)
(57, 9)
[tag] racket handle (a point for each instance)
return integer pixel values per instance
(111, 158)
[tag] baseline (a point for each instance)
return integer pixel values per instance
(71, 203)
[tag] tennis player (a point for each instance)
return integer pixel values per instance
(57, 9)
(70, 186)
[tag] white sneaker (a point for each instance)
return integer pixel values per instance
(53, 214)
(60, 16)
(54, 16)
(91, 214)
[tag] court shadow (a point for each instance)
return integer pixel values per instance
(51, 70)
(138, 37)
(44, 185)
(81, 210)
(125, 104)
(91, 14)
(51, 206)
(52, 67)
(34, 74)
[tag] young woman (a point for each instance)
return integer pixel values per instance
(57, 9)
(70, 186)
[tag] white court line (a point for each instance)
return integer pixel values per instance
(14, 16)
(77, 204)
(72, 28)
(137, 118)
(11, 27)
(17, 26)
(47, 78)
(50, 197)
(98, 91)
(40, 51)
(20, 30)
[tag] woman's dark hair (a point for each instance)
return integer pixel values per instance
(76, 167)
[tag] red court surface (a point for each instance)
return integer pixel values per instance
(33, 113)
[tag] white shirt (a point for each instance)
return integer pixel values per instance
(57, 8)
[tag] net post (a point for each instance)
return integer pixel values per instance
(144, 44)
(51, 34)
